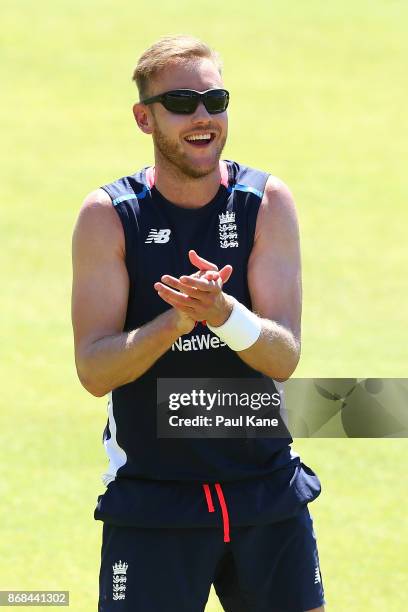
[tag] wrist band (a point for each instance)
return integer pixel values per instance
(241, 330)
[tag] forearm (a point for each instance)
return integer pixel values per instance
(112, 361)
(276, 352)
(272, 348)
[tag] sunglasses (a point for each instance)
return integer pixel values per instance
(186, 101)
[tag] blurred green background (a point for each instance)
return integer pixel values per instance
(319, 99)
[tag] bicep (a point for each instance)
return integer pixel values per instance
(100, 280)
(274, 267)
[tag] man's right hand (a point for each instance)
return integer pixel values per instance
(209, 271)
(184, 324)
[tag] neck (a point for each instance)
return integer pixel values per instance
(184, 190)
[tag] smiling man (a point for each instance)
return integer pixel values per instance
(151, 255)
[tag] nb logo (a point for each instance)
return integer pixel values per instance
(158, 236)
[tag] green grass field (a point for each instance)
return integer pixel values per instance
(318, 98)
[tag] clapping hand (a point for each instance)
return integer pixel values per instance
(198, 297)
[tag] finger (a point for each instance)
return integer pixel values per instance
(220, 277)
(215, 278)
(211, 275)
(200, 262)
(173, 282)
(225, 273)
(202, 284)
(175, 298)
(208, 274)
(178, 300)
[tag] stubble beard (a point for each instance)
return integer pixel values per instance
(177, 159)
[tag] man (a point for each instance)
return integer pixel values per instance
(151, 255)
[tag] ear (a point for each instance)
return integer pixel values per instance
(143, 117)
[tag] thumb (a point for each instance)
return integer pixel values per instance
(225, 273)
(200, 262)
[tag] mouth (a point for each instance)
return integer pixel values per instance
(200, 140)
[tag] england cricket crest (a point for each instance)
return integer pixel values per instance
(227, 230)
(119, 580)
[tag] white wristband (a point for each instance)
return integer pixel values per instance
(241, 330)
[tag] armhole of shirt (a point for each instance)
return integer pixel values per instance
(122, 211)
(253, 218)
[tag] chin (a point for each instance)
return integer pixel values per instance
(199, 169)
(197, 172)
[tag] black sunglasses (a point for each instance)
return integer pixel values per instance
(186, 101)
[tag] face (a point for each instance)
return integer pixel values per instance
(171, 132)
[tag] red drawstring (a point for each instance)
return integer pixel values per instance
(208, 498)
(224, 509)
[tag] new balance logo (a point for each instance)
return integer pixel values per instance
(158, 236)
(317, 579)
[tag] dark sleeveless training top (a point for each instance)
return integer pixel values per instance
(162, 482)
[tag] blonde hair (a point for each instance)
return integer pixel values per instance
(178, 48)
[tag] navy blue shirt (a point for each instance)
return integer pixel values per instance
(155, 481)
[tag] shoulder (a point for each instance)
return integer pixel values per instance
(274, 189)
(96, 203)
(247, 178)
(278, 198)
(98, 221)
(277, 211)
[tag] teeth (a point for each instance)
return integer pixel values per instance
(199, 137)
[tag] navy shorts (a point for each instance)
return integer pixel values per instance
(268, 568)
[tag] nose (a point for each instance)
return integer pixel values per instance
(201, 113)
